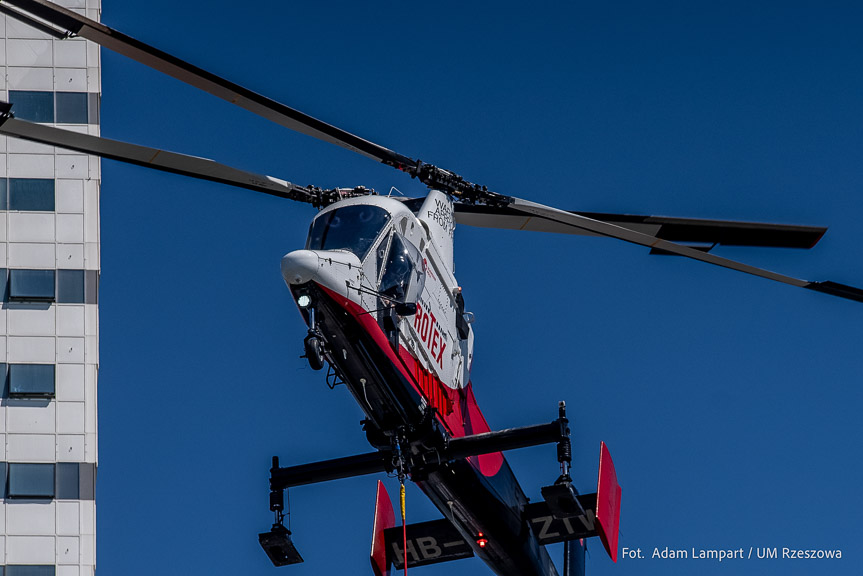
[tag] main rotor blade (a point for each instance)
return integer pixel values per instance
(165, 161)
(71, 23)
(724, 232)
(614, 231)
(62, 23)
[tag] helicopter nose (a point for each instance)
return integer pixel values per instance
(299, 266)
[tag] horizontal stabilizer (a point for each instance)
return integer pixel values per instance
(427, 543)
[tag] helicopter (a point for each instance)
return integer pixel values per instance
(316, 344)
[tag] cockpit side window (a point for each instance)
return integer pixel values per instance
(402, 280)
(353, 228)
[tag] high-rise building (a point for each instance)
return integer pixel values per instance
(49, 321)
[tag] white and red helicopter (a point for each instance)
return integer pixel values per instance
(375, 286)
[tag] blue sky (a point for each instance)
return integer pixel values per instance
(730, 403)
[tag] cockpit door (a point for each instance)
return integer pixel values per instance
(402, 277)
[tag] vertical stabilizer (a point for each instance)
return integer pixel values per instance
(608, 502)
(437, 213)
(384, 518)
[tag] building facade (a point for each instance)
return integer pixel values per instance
(49, 321)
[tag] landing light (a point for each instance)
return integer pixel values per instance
(482, 540)
(304, 301)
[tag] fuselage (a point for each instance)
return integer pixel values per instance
(375, 284)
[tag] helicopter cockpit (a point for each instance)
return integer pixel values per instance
(396, 267)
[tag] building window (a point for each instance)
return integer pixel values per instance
(31, 380)
(53, 107)
(33, 106)
(69, 481)
(33, 194)
(27, 194)
(31, 285)
(30, 481)
(71, 107)
(61, 481)
(70, 286)
(28, 570)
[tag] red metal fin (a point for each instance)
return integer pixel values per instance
(384, 518)
(608, 502)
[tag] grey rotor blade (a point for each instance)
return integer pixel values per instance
(724, 232)
(163, 160)
(67, 23)
(601, 228)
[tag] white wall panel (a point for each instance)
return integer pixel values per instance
(3, 165)
(70, 53)
(3, 54)
(94, 57)
(3, 218)
(30, 227)
(70, 319)
(23, 255)
(31, 349)
(17, 29)
(29, 53)
(28, 417)
(70, 256)
(30, 550)
(70, 417)
(90, 405)
(3, 355)
(70, 448)
(91, 321)
(70, 350)
(88, 554)
(70, 196)
(30, 322)
(95, 168)
(70, 4)
(70, 382)
(70, 228)
(30, 166)
(70, 79)
(67, 550)
(91, 446)
(69, 570)
(3, 443)
(30, 447)
(31, 519)
(19, 78)
(92, 349)
(91, 255)
(94, 80)
(71, 166)
(91, 211)
(18, 146)
(88, 517)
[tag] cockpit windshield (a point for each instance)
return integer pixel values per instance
(352, 228)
